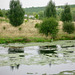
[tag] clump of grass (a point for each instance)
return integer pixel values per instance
(37, 25)
(35, 39)
(20, 29)
(4, 27)
(67, 38)
(14, 40)
(4, 20)
(26, 21)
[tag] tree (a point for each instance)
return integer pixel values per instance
(66, 14)
(1, 14)
(49, 26)
(16, 13)
(50, 10)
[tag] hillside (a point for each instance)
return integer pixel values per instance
(25, 30)
(31, 10)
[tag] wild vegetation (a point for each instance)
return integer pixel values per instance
(49, 26)
(68, 27)
(30, 28)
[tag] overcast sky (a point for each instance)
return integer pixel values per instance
(4, 4)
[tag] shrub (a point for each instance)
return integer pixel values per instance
(49, 26)
(16, 13)
(36, 16)
(66, 14)
(26, 21)
(68, 27)
(37, 25)
(20, 29)
(4, 27)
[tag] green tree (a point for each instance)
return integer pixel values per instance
(1, 14)
(16, 13)
(50, 10)
(66, 14)
(49, 26)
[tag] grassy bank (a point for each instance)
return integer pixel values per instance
(33, 39)
(23, 40)
(28, 33)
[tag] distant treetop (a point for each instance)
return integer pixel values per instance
(50, 10)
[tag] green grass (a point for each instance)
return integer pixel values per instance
(37, 39)
(23, 40)
(33, 39)
(4, 20)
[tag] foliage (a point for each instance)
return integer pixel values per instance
(73, 15)
(41, 15)
(14, 40)
(37, 25)
(5, 20)
(31, 10)
(66, 14)
(4, 27)
(36, 16)
(1, 14)
(50, 10)
(59, 10)
(49, 27)
(20, 29)
(26, 21)
(37, 39)
(16, 13)
(68, 27)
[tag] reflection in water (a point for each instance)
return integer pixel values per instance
(41, 60)
(47, 49)
(67, 73)
(13, 59)
(12, 50)
(15, 67)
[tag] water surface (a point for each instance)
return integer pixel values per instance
(57, 58)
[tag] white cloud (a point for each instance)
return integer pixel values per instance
(4, 4)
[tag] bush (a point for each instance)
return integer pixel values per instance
(16, 13)
(20, 29)
(4, 27)
(49, 26)
(37, 25)
(26, 21)
(68, 27)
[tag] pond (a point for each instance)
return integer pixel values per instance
(54, 58)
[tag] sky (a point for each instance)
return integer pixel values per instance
(4, 4)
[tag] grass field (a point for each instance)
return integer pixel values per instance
(28, 30)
